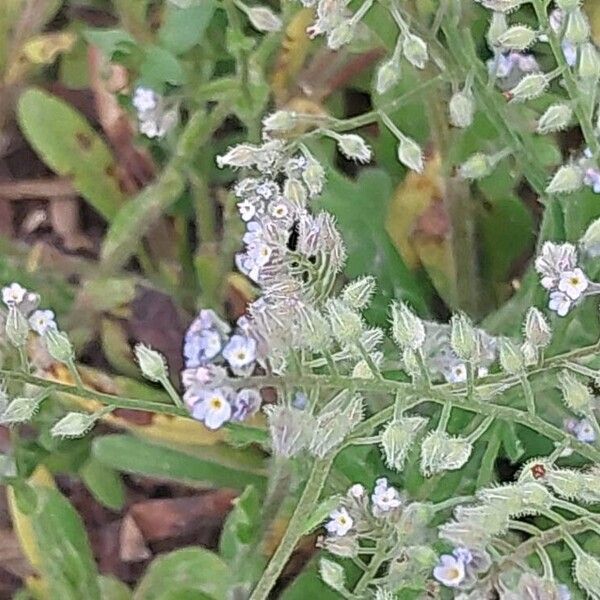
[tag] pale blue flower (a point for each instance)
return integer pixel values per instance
(213, 407)
(240, 352)
(41, 321)
(245, 404)
(450, 571)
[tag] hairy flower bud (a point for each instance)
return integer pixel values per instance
(73, 425)
(462, 109)
(502, 5)
(280, 120)
(152, 363)
(407, 329)
(240, 156)
(16, 327)
(313, 175)
(477, 166)
(511, 357)
(410, 362)
(537, 330)
(346, 323)
(517, 499)
(352, 146)
(358, 293)
(556, 118)
(576, 395)
(589, 62)
(568, 483)
(530, 87)
(22, 409)
(410, 154)
(590, 242)
(441, 452)
(387, 75)
(415, 50)
(568, 5)
(463, 337)
(498, 25)
(345, 546)
(291, 429)
(295, 193)
(332, 574)
(586, 572)
(59, 346)
(264, 19)
(568, 179)
(518, 37)
(397, 439)
(578, 27)
(341, 35)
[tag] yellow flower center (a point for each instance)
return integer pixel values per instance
(574, 280)
(216, 403)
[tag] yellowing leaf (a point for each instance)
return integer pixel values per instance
(43, 49)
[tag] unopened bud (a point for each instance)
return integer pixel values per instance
(397, 439)
(498, 25)
(477, 166)
(410, 362)
(568, 5)
(345, 546)
(59, 346)
(568, 179)
(264, 19)
(281, 120)
(295, 193)
(537, 330)
(576, 395)
(341, 35)
(415, 50)
(410, 154)
(358, 293)
(590, 242)
(441, 452)
(407, 329)
(352, 146)
(240, 156)
(333, 575)
(313, 175)
(567, 483)
(16, 327)
(462, 109)
(21, 410)
(463, 337)
(518, 37)
(589, 62)
(346, 324)
(530, 87)
(586, 572)
(152, 363)
(517, 499)
(502, 5)
(556, 118)
(388, 74)
(291, 429)
(578, 27)
(73, 425)
(512, 360)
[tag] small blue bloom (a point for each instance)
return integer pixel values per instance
(240, 353)
(450, 571)
(213, 407)
(246, 404)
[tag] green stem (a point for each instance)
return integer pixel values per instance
(378, 559)
(295, 529)
(173, 394)
(528, 392)
(75, 373)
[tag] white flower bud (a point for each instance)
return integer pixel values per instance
(316, 332)
(280, 120)
(578, 27)
(463, 337)
(530, 87)
(21, 410)
(568, 179)
(388, 74)
(576, 395)
(498, 25)
(397, 439)
(345, 546)
(410, 362)
(358, 293)
(341, 35)
(408, 330)
(352, 146)
(512, 360)
(73, 425)
(556, 118)
(59, 346)
(333, 575)
(346, 324)
(502, 5)
(590, 242)
(567, 483)
(16, 327)
(240, 156)
(537, 330)
(586, 572)
(152, 363)
(295, 193)
(477, 166)
(462, 109)
(291, 429)
(441, 452)
(589, 62)
(518, 37)
(314, 176)
(415, 50)
(517, 499)
(410, 154)
(264, 19)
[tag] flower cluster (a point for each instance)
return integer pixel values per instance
(461, 568)
(16, 298)
(208, 348)
(557, 265)
(154, 118)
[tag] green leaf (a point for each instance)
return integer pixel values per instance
(188, 574)
(104, 483)
(183, 28)
(309, 585)
(113, 589)
(111, 41)
(510, 441)
(159, 67)
(241, 528)
(70, 147)
(135, 218)
(215, 466)
(67, 563)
